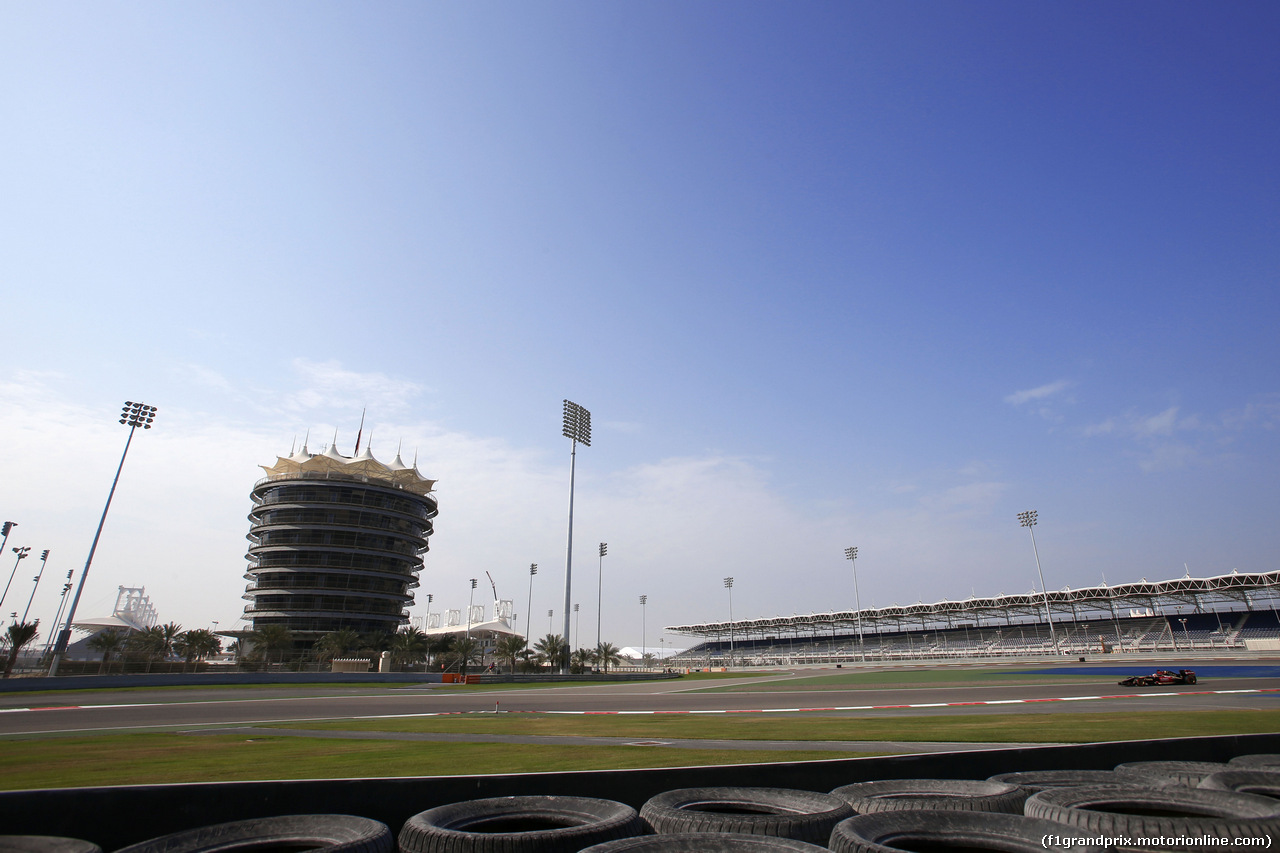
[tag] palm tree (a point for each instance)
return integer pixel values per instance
(168, 634)
(196, 644)
(335, 644)
(147, 644)
(438, 645)
(408, 646)
(463, 652)
(108, 642)
(272, 638)
(20, 633)
(607, 653)
(509, 649)
(581, 660)
(553, 649)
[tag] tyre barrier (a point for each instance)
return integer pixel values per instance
(780, 812)
(1187, 773)
(315, 833)
(702, 842)
(537, 824)
(1133, 813)
(1040, 780)
(894, 832)
(46, 844)
(1258, 760)
(1264, 783)
(967, 795)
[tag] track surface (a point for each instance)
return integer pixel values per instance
(70, 712)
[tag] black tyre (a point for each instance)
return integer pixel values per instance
(892, 832)
(702, 842)
(1258, 760)
(1150, 813)
(1264, 783)
(967, 795)
(316, 833)
(1040, 780)
(1188, 773)
(546, 824)
(45, 844)
(781, 812)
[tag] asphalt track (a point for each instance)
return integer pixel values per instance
(234, 708)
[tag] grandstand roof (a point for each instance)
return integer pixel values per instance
(1253, 590)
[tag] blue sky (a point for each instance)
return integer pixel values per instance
(874, 274)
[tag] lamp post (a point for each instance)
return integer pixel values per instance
(728, 584)
(44, 558)
(851, 554)
(1190, 645)
(528, 614)
(22, 553)
(577, 428)
(604, 549)
(470, 601)
(1028, 520)
(62, 602)
(5, 529)
(644, 629)
(133, 415)
(426, 620)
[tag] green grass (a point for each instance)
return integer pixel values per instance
(967, 728)
(164, 758)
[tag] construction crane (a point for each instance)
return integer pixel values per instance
(493, 585)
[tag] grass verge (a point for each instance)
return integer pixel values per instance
(970, 728)
(165, 758)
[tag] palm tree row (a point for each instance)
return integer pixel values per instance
(157, 643)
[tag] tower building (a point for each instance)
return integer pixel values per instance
(336, 542)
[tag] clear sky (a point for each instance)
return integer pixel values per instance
(826, 274)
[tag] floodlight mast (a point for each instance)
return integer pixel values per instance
(133, 415)
(728, 584)
(604, 549)
(1028, 520)
(851, 554)
(577, 428)
(528, 616)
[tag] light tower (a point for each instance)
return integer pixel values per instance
(577, 428)
(1028, 520)
(604, 549)
(851, 554)
(528, 618)
(133, 415)
(644, 631)
(728, 584)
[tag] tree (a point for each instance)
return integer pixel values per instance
(19, 633)
(510, 648)
(272, 639)
(607, 653)
(196, 644)
(336, 644)
(581, 660)
(553, 650)
(408, 646)
(168, 635)
(108, 642)
(147, 644)
(438, 645)
(463, 652)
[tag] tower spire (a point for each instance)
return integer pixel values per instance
(359, 432)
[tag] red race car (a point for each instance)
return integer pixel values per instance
(1161, 676)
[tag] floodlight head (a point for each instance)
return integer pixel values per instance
(44, 555)
(430, 598)
(728, 583)
(533, 569)
(137, 415)
(577, 423)
(851, 553)
(9, 525)
(644, 599)
(473, 583)
(604, 548)
(1028, 518)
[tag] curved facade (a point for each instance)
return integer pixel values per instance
(336, 542)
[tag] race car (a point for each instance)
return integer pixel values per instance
(1161, 676)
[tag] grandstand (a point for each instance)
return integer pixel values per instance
(1233, 612)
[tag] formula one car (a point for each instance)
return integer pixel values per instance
(1159, 677)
